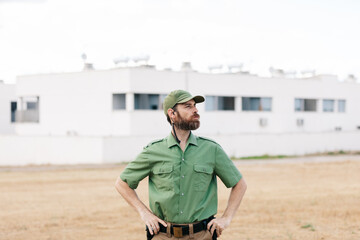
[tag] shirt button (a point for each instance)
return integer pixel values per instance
(181, 212)
(182, 194)
(183, 159)
(182, 176)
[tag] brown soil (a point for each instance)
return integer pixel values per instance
(284, 201)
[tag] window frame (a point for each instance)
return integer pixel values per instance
(160, 99)
(338, 105)
(217, 104)
(260, 107)
(303, 104)
(328, 100)
(113, 102)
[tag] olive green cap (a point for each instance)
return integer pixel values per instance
(179, 96)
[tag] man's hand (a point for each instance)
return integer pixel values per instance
(152, 221)
(218, 224)
(236, 195)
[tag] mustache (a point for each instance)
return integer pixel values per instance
(196, 115)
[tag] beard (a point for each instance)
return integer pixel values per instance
(184, 124)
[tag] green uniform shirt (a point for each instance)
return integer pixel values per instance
(182, 185)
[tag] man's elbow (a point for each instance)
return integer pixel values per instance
(119, 184)
(242, 185)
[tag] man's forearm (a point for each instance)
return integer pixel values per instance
(130, 196)
(151, 221)
(236, 195)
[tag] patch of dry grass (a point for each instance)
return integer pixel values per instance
(283, 201)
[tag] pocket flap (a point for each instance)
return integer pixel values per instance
(203, 169)
(163, 169)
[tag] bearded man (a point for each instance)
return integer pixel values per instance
(182, 170)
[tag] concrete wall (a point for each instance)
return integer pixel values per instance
(7, 95)
(24, 150)
(247, 144)
(289, 143)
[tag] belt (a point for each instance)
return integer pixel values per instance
(182, 230)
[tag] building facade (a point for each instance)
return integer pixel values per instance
(122, 110)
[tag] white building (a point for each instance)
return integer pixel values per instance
(109, 115)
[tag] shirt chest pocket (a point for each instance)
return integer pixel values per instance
(163, 177)
(203, 176)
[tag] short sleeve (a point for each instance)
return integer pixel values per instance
(225, 168)
(136, 170)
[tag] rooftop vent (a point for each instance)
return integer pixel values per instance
(215, 68)
(121, 60)
(308, 73)
(186, 66)
(88, 67)
(235, 68)
(141, 59)
(276, 72)
(351, 78)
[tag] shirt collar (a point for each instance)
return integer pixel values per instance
(171, 141)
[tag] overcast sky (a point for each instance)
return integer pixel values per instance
(41, 36)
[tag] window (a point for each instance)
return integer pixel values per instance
(328, 105)
(148, 101)
(13, 107)
(217, 103)
(119, 101)
(210, 103)
(28, 110)
(299, 104)
(256, 104)
(305, 105)
(341, 105)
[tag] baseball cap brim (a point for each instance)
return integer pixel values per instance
(197, 99)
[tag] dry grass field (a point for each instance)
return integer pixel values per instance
(283, 201)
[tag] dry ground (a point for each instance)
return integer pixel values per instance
(284, 201)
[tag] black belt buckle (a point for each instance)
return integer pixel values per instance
(178, 233)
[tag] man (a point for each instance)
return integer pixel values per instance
(182, 170)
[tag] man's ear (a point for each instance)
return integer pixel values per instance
(170, 112)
